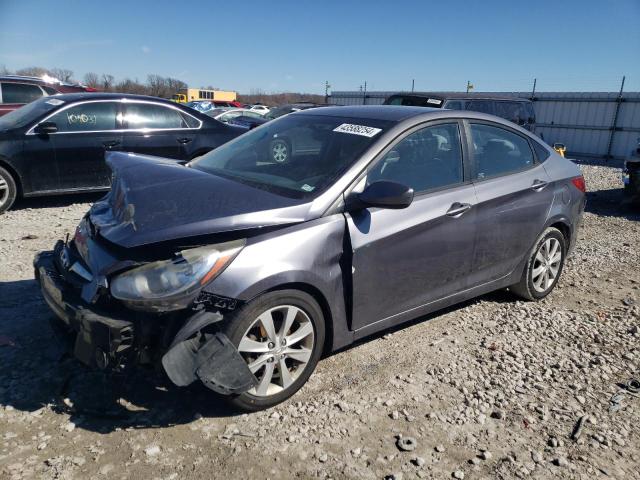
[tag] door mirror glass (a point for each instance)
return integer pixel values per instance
(45, 128)
(384, 194)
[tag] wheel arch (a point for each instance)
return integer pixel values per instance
(14, 173)
(561, 223)
(319, 297)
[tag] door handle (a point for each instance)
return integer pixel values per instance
(457, 209)
(184, 140)
(110, 144)
(538, 185)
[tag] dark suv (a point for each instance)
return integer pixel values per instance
(16, 91)
(517, 110)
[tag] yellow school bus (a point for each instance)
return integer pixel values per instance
(193, 94)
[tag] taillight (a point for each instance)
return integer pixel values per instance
(578, 182)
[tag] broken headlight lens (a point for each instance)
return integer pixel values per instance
(170, 284)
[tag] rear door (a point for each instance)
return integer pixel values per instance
(157, 129)
(514, 198)
(405, 259)
(86, 131)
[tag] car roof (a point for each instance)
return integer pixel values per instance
(394, 113)
(460, 95)
(406, 115)
(74, 97)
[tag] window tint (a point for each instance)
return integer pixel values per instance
(414, 101)
(148, 115)
(50, 90)
(20, 93)
(541, 153)
(426, 159)
(87, 117)
(498, 151)
(453, 105)
(482, 106)
(512, 111)
(190, 121)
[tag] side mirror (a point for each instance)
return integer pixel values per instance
(45, 128)
(383, 194)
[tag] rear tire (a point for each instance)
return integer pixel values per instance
(544, 266)
(299, 354)
(8, 190)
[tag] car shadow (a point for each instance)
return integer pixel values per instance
(56, 201)
(612, 203)
(497, 296)
(36, 372)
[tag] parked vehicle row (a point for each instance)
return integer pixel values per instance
(58, 144)
(16, 91)
(241, 117)
(240, 269)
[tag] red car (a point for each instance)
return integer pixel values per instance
(16, 91)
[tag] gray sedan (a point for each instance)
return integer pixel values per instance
(239, 270)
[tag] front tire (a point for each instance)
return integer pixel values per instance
(281, 336)
(544, 266)
(8, 190)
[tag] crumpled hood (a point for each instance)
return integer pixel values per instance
(154, 200)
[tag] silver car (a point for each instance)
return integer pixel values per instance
(240, 271)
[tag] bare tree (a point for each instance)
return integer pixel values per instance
(4, 70)
(107, 82)
(92, 80)
(32, 71)
(62, 74)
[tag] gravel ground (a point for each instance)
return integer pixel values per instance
(493, 388)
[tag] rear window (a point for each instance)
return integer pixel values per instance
(414, 101)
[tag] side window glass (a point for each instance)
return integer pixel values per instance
(498, 151)
(541, 152)
(87, 117)
(454, 105)
(148, 115)
(20, 93)
(190, 121)
(426, 159)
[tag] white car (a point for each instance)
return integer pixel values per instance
(261, 109)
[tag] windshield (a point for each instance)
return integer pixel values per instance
(297, 156)
(29, 113)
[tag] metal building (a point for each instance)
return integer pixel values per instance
(590, 124)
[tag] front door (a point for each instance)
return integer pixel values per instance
(514, 196)
(403, 260)
(156, 129)
(85, 132)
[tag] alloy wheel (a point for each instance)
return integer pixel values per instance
(277, 347)
(4, 191)
(546, 265)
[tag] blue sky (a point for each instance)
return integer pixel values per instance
(296, 45)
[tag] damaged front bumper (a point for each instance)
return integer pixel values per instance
(107, 337)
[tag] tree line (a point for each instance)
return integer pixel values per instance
(156, 86)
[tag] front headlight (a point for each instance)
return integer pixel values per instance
(171, 284)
